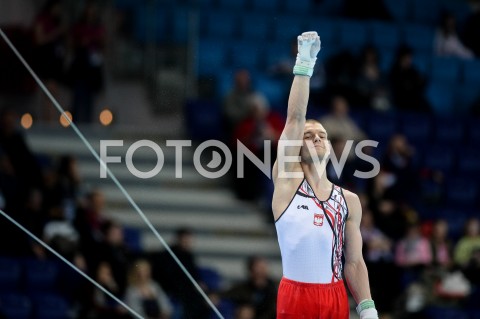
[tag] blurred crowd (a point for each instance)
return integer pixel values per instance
(67, 53)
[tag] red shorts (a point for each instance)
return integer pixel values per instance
(298, 300)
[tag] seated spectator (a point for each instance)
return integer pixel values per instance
(407, 83)
(14, 146)
(113, 250)
(413, 249)
(447, 42)
(245, 311)
(371, 83)
(413, 253)
(468, 244)
(339, 124)
(68, 179)
(378, 247)
(174, 280)
(104, 306)
(144, 295)
(399, 176)
(261, 125)
(235, 104)
(440, 244)
(258, 290)
(345, 176)
(471, 32)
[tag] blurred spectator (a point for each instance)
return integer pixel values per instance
(399, 175)
(235, 104)
(440, 243)
(371, 84)
(258, 290)
(471, 29)
(261, 125)
(104, 306)
(174, 280)
(113, 251)
(49, 35)
(144, 295)
(68, 179)
(86, 71)
(341, 71)
(447, 42)
(339, 124)
(245, 311)
(407, 83)
(345, 176)
(414, 249)
(379, 259)
(21, 158)
(469, 243)
(88, 222)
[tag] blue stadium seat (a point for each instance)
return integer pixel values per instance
(465, 96)
(446, 313)
(277, 52)
(180, 23)
(455, 218)
(287, 28)
(474, 131)
(462, 192)
(441, 97)
(15, 306)
(381, 127)
(352, 35)
(419, 37)
(211, 56)
(50, 306)
(326, 28)
(426, 11)
(460, 9)
(297, 6)
(255, 27)
(220, 24)
(266, 7)
(132, 238)
(422, 61)
(238, 5)
(439, 158)
(41, 275)
(448, 131)
(387, 58)
(150, 24)
(10, 270)
(245, 55)
(417, 128)
(468, 161)
(204, 120)
(385, 35)
(210, 277)
(471, 72)
(398, 9)
(273, 89)
(446, 70)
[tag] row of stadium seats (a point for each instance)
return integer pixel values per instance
(36, 306)
(423, 12)
(32, 275)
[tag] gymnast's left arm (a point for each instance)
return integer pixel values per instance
(356, 273)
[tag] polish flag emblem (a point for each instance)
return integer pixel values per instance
(318, 219)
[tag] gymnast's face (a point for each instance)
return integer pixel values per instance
(315, 141)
